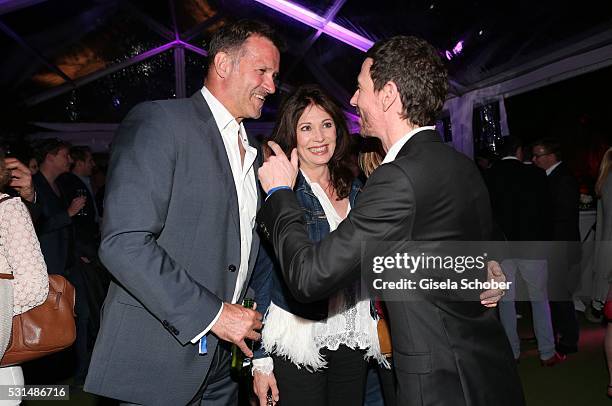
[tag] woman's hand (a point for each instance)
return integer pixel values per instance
(262, 383)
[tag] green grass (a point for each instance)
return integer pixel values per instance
(579, 381)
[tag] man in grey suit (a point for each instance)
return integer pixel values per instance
(178, 233)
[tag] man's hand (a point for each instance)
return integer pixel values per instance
(237, 323)
(278, 170)
(263, 382)
(76, 205)
(490, 297)
(21, 178)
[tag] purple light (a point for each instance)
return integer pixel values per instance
(190, 47)
(448, 54)
(458, 48)
(316, 21)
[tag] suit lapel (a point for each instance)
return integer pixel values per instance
(256, 164)
(209, 131)
(255, 241)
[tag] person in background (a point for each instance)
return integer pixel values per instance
(519, 200)
(564, 231)
(86, 237)
(77, 183)
(602, 280)
(20, 255)
(54, 224)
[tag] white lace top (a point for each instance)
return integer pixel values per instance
(349, 320)
(20, 254)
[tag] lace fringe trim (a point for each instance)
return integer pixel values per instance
(292, 337)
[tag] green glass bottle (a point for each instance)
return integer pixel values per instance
(241, 363)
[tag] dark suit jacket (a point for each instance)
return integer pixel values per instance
(445, 353)
(170, 237)
(519, 199)
(53, 227)
(565, 197)
(86, 230)
(564, 232)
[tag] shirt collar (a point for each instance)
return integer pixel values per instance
(222, 116)
(395, 148)
(552, 168)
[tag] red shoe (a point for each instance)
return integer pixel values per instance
(554, 360)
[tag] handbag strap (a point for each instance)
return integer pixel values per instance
(8, 276)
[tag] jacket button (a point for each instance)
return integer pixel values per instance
(165, 323)
(231, 268)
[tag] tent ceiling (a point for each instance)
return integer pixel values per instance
(84, 60)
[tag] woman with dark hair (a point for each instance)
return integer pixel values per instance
(20, 256)
(315, 353)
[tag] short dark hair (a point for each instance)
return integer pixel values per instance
(79, 152)
(507, 146)
(47, 146)
(551, 145)
(285, 134)
(232, 36)
(418, 72)
(5, 174)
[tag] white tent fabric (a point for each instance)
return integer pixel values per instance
(577, 59)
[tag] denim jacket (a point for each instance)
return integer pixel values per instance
(267, 280)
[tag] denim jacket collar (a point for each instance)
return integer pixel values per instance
(302, 186)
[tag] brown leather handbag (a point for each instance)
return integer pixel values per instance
(45, 329)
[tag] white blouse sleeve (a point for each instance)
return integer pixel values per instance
(22, 250)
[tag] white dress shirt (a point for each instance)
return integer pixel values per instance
(246, 188)
(395, 148)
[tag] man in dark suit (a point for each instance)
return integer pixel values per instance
(54, 220)
(178, 233)
(90, 281)
(77, 183)
(519, 199)
(445, 352)
(565, 232)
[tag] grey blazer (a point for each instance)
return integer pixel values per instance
(171, 239)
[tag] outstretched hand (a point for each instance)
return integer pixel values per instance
(278, 170)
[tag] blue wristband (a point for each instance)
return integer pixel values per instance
(202, 347)
(274, 189)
